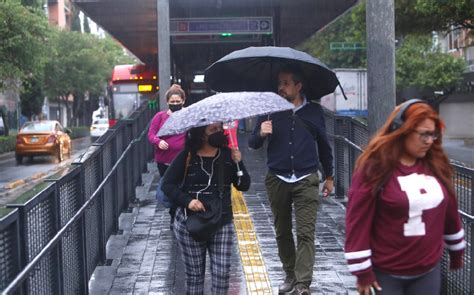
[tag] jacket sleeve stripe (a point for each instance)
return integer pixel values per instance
(358, 254)
(456, 236)
(456, 247)
(360, 266)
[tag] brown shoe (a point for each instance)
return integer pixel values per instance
(301, 289)
(287, 286)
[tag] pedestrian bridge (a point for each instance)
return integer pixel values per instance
(96, 228)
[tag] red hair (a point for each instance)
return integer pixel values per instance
(386, 147)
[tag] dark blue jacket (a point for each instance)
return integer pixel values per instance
(291, 148)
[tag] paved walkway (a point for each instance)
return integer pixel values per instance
(145, 258)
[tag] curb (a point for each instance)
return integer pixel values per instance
(38, 175)
(7, 155)
(14, 184)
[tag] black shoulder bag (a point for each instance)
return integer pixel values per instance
(204, 224)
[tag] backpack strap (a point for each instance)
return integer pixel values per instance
(188, 159)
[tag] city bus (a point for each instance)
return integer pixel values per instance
(130, 86)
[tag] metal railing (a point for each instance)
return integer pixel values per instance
(52, 243)
(348, 137)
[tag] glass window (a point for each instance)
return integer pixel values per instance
(38, 127)
(124, 104)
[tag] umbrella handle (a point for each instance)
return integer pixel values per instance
(239, 172)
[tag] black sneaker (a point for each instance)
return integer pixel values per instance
(301, 289)
(287, 286)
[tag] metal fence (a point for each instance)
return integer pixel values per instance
(52, 243)
(348, 137)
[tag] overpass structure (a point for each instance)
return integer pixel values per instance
(204, 31)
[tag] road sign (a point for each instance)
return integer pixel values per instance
(346, 46)
(193, 39)
(219, 26)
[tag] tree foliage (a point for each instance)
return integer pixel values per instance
(80, 64)
(49, 61)
(422, 65)
(33, 3)
(116, 54)
(77, 65)
(418, 64)
(425, 16)
(24, 35)
(349, 28)
(31, 98)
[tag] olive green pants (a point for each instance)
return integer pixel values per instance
(299, 260)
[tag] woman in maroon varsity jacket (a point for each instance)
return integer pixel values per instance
(402, 208)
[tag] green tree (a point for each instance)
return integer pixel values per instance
(33, 3)
(24, 36)
(31, 98)
(115, 53)
(412, 17)
(349, 28)
(419, 64)
(80, 64)
(425, 16)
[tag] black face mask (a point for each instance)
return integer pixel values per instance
(175, 107)
(218, 139)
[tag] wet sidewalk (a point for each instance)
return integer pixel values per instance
(144, 257)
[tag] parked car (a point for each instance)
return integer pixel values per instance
(43, 138)
(98, 128)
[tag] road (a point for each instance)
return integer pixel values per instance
(458, 151)
(12, 174)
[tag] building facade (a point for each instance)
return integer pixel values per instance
(460, 43)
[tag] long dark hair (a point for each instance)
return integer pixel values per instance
(195, 139)
(385, 149)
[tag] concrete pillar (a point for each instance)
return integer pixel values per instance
(164, 56)
(380, 15)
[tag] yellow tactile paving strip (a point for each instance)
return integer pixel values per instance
(255, 272)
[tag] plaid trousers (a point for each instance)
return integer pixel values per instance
(194, 257)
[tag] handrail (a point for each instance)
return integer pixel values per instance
(346, 140)
(30, 266)
(469, 218)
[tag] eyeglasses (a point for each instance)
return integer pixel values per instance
(424, 136)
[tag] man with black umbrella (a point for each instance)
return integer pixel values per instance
(293, 162)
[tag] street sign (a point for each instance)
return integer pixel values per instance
(346, 46)
(221, 26)
(193, 39)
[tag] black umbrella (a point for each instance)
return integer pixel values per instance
(256, 69)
